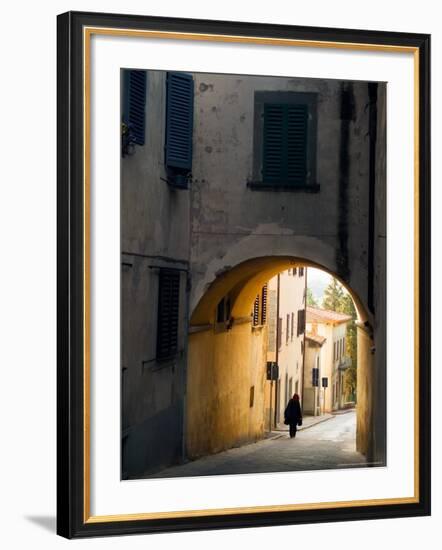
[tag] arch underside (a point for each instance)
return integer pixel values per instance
(243, 282)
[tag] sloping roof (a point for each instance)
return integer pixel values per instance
(316, 338)
(326, 316)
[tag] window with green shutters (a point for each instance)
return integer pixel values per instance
(285, 144)
(284, 141)
(168, 313)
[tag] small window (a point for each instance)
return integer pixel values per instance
(168, 313)
(252, 396)
(279, 332)
(292, 328)
(259, 313)
(301, 321)
(287, 329)
(301, 272)
(223, 310)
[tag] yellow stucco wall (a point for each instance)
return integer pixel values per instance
(364, 392)
(222, 367)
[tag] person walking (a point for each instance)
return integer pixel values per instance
(293, 414)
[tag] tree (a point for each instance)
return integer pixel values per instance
(333, 296)
(350, 377)
(311, 300)
(350, 382)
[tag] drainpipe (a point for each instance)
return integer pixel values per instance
(276, 352)
(303, 345)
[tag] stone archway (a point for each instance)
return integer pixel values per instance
(224, 361)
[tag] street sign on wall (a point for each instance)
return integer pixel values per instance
(272, 370)
(315, 377)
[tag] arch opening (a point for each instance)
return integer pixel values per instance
(233, 395)
(243, 282)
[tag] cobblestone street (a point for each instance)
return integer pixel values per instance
(329, 444)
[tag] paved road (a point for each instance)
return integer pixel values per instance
(330, 444)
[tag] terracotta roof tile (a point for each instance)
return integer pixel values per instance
(315, 338)
(326, 316)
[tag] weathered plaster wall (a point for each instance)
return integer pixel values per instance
(231, 222)
(342, 227)
(223, 366)
(310, 403)
(365, 394)
(154, 233)
(290, 356)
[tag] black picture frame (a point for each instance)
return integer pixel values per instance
(72, 516)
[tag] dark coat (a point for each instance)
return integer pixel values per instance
(292, 413)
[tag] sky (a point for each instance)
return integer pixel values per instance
(317, 281)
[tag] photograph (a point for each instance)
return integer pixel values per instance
(243, 274)
(253, 274)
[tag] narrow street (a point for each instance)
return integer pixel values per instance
(329, 444)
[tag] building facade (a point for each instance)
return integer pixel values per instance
(326, 350)
(226, 181)
(315, 353)
(286, 329)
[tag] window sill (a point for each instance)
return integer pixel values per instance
(262, 186)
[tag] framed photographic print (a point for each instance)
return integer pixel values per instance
(243, 274)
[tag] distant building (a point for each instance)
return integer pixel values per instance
(286, 328)
(326, 350)
(314, 359)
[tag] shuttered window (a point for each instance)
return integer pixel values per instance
(168, 313)
(179, 122)
(301, 321)
(285, 144)
(256, 311)
(264, 305)
(134, 102)
(260, 308)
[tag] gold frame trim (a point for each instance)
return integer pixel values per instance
(87, 34)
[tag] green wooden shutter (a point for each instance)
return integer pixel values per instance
(285, 144)
(301, 321)
(168, 313)
(179, 122)
(134, 104)
(256, 311)
(264, 305)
